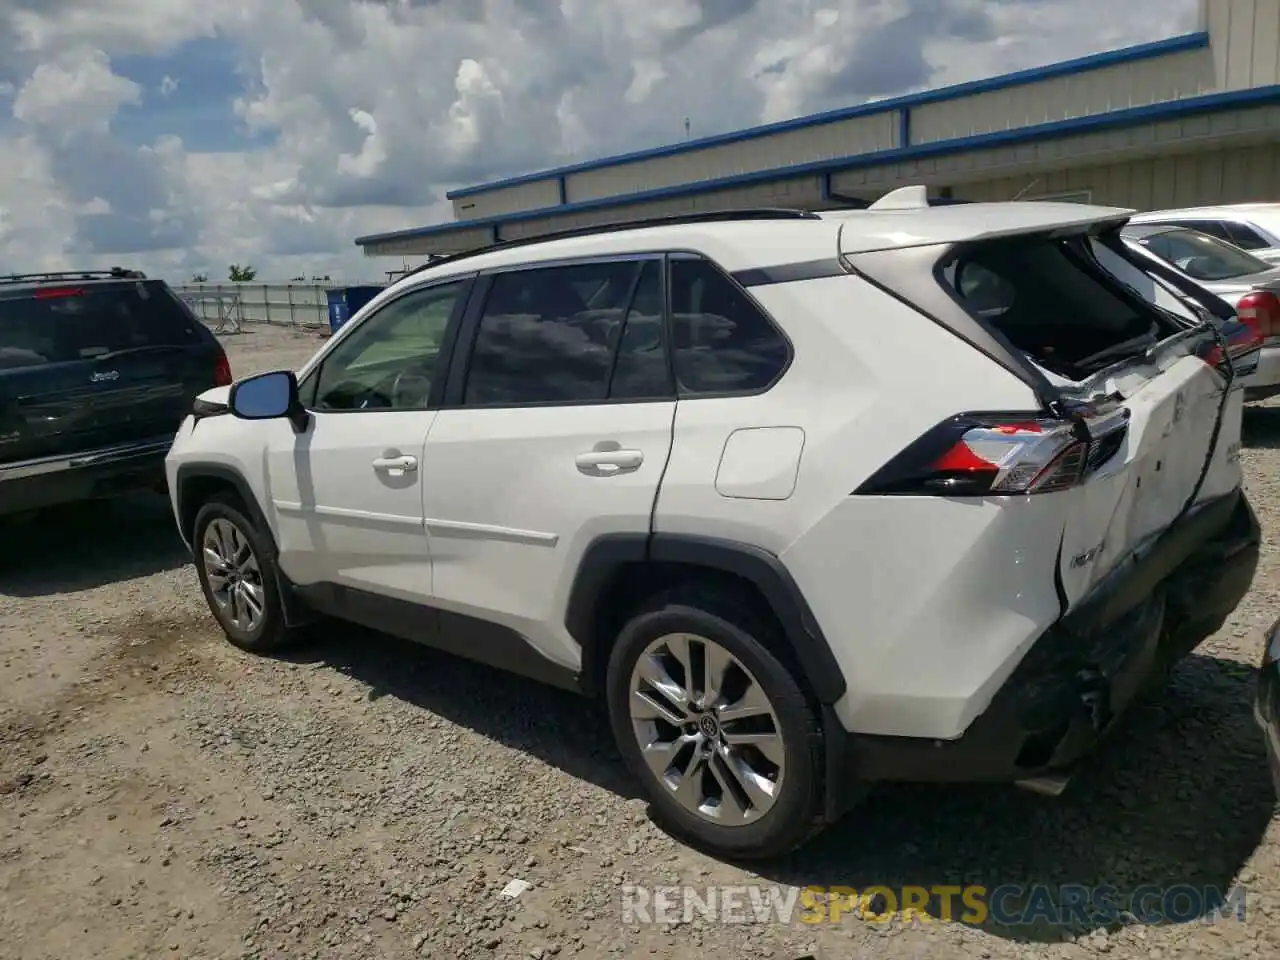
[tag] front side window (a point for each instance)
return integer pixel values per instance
(550, 334)
(390, 361)
(723, 343)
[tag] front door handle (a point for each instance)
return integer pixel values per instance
(605, 462)
(391, 464)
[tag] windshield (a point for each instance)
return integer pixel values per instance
(1202, 257)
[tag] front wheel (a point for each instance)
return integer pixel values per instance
(237, 569)
(715, 727)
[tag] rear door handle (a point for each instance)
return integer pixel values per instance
(403, 464)
(609, 461)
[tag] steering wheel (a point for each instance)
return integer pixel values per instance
(353, 395)
(411, 387)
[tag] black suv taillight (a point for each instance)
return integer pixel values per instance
(222, 370)
(1003, 454)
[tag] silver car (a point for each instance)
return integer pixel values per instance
(1250, 285)
(1250, 226)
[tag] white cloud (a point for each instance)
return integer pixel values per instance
(371, 110)
(73, 93)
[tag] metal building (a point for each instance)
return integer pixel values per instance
(1191, 120)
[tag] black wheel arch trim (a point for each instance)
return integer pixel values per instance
(296, 613)
(765, 571)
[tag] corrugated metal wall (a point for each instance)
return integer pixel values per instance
(1140, 84)
(1246, 42)
(840, 139)
(1226, 133)
(1153, 183)
(524, 196)
(416, 246)
(800, 192)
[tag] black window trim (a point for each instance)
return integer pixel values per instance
(463, 345)
(311, 381)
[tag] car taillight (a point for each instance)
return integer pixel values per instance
(222, 370)
(977, 454)
(1260, 310)
(58, 293)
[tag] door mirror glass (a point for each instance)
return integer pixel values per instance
(265, 397)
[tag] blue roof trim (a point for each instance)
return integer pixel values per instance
(1172, 109)
(1144, 51)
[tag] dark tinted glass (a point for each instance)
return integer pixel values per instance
(67, 324)
(548, 335)
(642, 371)
(1214, 228)
(722, 342)
(1245, 237)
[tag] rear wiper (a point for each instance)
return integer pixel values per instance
(130, 351)
(1136, 346)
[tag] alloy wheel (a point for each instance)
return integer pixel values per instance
(235, 581)
(706, 729)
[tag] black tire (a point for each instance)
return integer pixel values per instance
(728, 622)
(271, 633)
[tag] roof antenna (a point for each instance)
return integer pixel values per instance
(686, 128)
(914, 197)
(1021, 193)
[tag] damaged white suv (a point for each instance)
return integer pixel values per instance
(811, 501)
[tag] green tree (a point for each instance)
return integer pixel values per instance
(200, 278)
(241, 274)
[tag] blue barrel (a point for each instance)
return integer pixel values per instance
(345, 302)
(357, 297)
(338, 313)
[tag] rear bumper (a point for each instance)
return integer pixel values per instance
(1079, 677)
(1265, 381)
(50, 481)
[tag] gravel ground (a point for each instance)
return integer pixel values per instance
(162, 794)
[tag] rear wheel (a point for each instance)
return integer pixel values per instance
(237, 568)
(715, 727)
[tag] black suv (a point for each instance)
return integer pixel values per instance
(97, 371)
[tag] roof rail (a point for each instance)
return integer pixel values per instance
(114, 273)
(679, 219)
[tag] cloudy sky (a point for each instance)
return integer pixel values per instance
(185, 135)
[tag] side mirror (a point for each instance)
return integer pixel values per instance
(269, 396)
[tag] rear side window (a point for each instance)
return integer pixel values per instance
(1245, 237)
(1214, 228)
(69, 324)
(723, 343)
(1202, 257)
(585, 332)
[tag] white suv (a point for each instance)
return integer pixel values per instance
(811, 501)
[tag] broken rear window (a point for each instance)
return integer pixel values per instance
(1051, 300)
